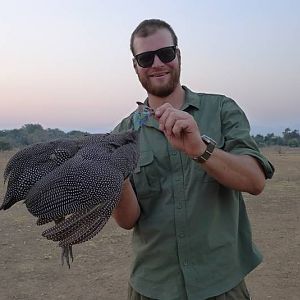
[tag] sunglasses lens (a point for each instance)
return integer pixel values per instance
(167, 54)
(145, 60)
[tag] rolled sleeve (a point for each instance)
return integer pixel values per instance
(236, 132)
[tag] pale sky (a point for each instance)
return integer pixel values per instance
(67, 64)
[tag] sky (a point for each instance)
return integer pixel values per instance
(67, 64)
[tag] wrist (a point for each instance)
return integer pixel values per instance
(198, 149)
(205, 153)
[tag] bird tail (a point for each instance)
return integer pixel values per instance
(81, 226)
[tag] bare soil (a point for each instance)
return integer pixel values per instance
(30, 265)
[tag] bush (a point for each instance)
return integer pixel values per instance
(293, 143)
(5, 145)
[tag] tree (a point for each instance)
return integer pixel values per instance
(260, 140)
(291, 137)
(270, 139)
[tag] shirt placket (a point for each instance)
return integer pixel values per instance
(179, 208)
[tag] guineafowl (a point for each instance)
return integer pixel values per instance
(75, 183)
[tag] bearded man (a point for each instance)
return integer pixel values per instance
(192, 237)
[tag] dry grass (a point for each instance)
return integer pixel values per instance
(30, 264)
(275, 216)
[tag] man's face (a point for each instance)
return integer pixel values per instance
(160, 79)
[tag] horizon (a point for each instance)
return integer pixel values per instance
(254, 130)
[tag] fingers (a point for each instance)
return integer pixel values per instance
(167, 121)
(171, 120)
(179, 127)
(162, 109)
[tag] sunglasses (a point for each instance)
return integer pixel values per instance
(146, 59)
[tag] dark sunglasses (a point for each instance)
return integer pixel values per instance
(146, 59)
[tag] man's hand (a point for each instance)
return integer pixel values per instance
(127, 212)
(180, 129)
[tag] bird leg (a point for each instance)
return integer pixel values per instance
(66, 254)
(67, 251)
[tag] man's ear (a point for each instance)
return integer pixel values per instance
(134, 62)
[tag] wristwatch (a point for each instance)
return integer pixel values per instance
(211, 144)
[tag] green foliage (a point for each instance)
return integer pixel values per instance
(293, 142)
(290, 138)
(31, 134)
(260, 140)
(4, 144)
(76, 134)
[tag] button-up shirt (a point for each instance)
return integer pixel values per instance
(193, 238)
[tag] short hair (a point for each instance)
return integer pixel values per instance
(148, 27)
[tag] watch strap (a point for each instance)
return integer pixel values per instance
(211, 144)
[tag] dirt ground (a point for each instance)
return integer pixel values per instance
(30, 265)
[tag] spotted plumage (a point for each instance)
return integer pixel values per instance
(76, 183)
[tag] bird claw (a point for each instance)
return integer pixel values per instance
(66, 254)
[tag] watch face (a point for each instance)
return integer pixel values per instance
(208, 140)
(209, 149)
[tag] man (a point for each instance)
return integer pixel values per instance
(191, 238)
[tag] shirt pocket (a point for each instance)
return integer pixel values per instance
(146, 176)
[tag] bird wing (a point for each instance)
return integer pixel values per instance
(77, 185)
(84, 190)
(31, 164)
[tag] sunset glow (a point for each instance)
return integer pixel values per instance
(67, 64)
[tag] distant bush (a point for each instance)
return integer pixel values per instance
(5, 145)
(293, 143)
(31, 134)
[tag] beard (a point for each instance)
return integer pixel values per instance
(161, 91)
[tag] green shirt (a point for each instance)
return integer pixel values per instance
(193, 238)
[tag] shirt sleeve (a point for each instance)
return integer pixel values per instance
(236, 132)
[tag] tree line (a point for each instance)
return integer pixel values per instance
(31, 134)
(35, 133)
(290, 138)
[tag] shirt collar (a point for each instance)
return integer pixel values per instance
(191, 99)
